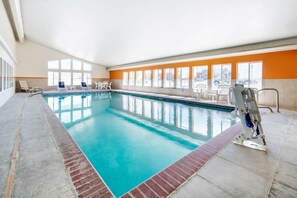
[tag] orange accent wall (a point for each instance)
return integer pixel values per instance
(276, 65)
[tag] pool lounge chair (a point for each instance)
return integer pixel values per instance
(109, 85)
(199, 90)
(61, 86)
(104, 85)
(84, 85)
(223, 91)
(24, 87)
(99, 85)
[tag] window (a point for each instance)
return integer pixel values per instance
(221, 75)
(4, 76)
(1, 74)
(88, 78)
(87, 67)
(200, 75)
(76, 65)
(53, 78)
(69, 71)
(182, 80)
(53, 64)
(139, 78)
(169, 77)
(125, 78)
(10, 76)
(157, 81)
(250, 74)
(77, 78)
(66, 77)
(147, 82)
(131, 78)
(65, 64)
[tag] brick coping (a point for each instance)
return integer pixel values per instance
(88, 182)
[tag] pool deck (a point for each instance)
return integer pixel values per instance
(27, 139)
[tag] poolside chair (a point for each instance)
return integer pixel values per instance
(24, 87)
(84, 85)
(223, 91)
(104, 85)
(61, 86)
(109, 85)
(211, 93)
(99, 85)
(199, 89)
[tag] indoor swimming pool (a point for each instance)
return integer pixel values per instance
(128, 139)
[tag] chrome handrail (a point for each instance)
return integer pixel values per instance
(277, 96)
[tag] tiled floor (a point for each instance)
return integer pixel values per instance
(235, 171)
(242, 172)
(39, 170)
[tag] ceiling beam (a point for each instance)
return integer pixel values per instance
(13, 12)
(255, 48)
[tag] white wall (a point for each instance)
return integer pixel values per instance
(32, 61)
(7, 49)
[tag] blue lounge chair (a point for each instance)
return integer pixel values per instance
(61, 86)
(84, 85)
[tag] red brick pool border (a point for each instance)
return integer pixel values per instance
(88, 183)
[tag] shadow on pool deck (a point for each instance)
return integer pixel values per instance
(234, 172)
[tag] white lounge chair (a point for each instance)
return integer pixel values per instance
(99, 85)
(24, 87)
(104, 85)
(199, 89)
(109, 85)
(223, 91)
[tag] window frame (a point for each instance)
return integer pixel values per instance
(60, 71)
(171, 83)
(194, 74)
(179, 78)
(213, 85)
(249, 74)
(159, 81)
(144, 79)
(132, 81)
(136, 78)
(125, 78)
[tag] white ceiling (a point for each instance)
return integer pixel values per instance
(116, 32)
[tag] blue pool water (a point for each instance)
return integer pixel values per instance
(128, 139)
